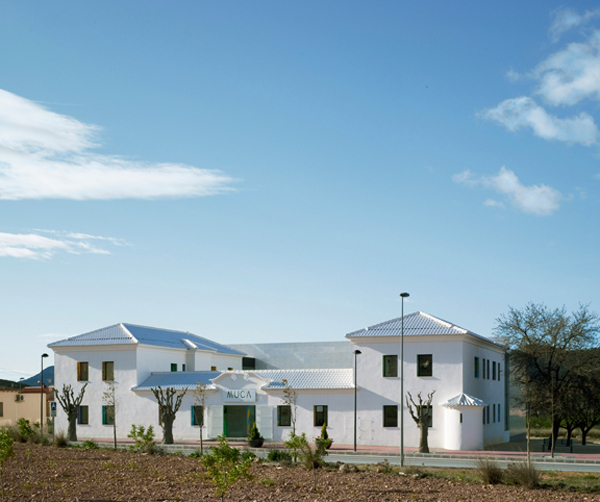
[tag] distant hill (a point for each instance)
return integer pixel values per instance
(9, 384)
(48, 378)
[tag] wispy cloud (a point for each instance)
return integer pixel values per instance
(39, 247)
(565, 19)
(524, 112)
(540, 200)
(47, 155)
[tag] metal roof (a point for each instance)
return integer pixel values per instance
(312, 379)
(131, 334)
(464, 400)
(415, 324)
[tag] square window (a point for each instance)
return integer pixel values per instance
(319, 415)
(248, 363)
(213, 368)
(390, 366)
(173, 367)
(390, 416)
(83, 371)
(108, 415)
(424, 365)
(198, 415)
(476, 367)
(108, 370)
(83, 415)
(284, 415)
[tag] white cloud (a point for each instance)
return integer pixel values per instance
(565, 19)
(39, 247)
(524, 112)
(494, 203)
(540, 200)
(47, 155)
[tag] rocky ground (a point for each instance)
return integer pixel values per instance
(45, 473)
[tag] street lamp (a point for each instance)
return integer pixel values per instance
(21, 383)
(42, 398)
(356, 353)
(403, 296)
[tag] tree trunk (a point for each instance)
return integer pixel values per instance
(167, 430)
(555, 428)
(115, 434)
(423, 446)
(72, 431)
(583, 437)
(569, 433)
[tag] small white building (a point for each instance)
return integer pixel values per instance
(466, 371)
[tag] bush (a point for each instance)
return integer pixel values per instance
(523, 474)
(60, 439)
(89, 444)
(254, 433)
(489, 470)
(6, 452)
(144, 439)
(279, 456)
(25, 430)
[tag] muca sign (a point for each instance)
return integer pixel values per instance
(239, 396)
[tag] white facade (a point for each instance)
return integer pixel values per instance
(468, 405)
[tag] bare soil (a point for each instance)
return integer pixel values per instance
(46, 473)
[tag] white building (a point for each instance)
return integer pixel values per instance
(466, 371)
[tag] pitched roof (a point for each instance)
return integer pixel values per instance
(132, 334)
(464, 400)
(415, 324)
(311, 379)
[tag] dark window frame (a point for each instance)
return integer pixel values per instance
(494, 370)
(108, 415)
(424, 361)
(81, 373)
(197, 410)
(108, 371)
(320, 417)
(387, 366)
(284, 419)
(476, 367)
(390, 419)
(83, 418)
(173, 367)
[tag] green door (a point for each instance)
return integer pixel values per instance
(238, 420)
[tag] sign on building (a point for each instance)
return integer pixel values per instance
(239, 396)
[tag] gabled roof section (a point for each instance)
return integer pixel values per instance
(464, 400)
(415, 324)
(327, 379)
(132, 334)
(112, 335)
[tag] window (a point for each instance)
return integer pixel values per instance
(488, 413)
(424, 365)
(83, 415)
(494, 370)
(284, 415)
(108, 415)
(229, 369)
(83, 372)
(319, 415)
(173, 367)
(476, 367)
(498, 371)
(498, 412)
(108, 370)
(390, 416)
(198, 415)
(484, 416)
(488, 369)
(183, 367)
(460, 418)
(390, 366)
(213, 368)
(483, 370)
(1, 409)
(493, 413)
(248, 363)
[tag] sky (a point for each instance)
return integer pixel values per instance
(281, 171)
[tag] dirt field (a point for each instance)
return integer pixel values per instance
(45, 473)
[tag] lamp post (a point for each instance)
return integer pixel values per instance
(356, 353)
(42, 397)
(403, 296)
(21, 383)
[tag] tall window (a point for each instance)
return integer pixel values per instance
(173, 367)
(83, 371)
(390, 366)
(494, 370)
(108, 415)
(83, 415)
(498, 371)
(476, 367)
(390, 416)
(424, 365)
(319, 415)
(483, 370)
(108, 370)
(493, 413)
(1, 409)
(198, 415)
(487, 372)
(284, 415)
(488, 413)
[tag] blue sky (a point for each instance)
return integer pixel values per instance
(281, 171)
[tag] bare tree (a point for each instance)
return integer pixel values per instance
(290, 398)
(109, 399)
(167, 409)
(70, 404)
(200, 398)
(421, 414)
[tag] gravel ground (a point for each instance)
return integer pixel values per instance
(51, 474)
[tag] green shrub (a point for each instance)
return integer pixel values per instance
(226, 466)
(254, 434)
(144, 439)
(89, 444)
(25, 430)
(523, 474)
(489, 470)
(310, 458)
(196, 454)
(6, 452)
(275, 455)
(323, 440)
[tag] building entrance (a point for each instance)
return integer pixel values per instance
(238, 420)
